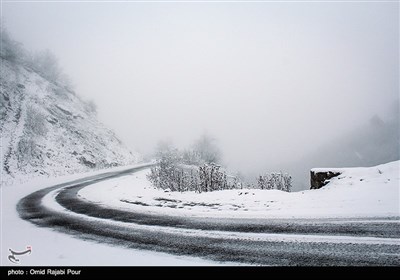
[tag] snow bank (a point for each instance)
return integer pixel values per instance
(357, 192)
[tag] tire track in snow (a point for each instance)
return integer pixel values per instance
(252, 241)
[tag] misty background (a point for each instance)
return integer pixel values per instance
(280, 86)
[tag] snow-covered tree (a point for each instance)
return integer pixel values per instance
(11, 50)
(46, 63)
(275, 180)
(287, 183)
(212, 178)
(207, 150)
(43, 62)
(192, 157)
(261, 182)
(166, 174)
(190, 171)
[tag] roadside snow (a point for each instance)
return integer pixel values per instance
(357, 192)
(51, 248)
(50, 202)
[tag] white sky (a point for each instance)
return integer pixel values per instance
(269, 80)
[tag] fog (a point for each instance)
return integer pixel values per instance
(274, 83)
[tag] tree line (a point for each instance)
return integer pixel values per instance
(195, 170)
(44, 62)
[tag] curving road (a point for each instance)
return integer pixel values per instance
(315, 242)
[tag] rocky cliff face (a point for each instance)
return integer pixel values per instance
(48, 130)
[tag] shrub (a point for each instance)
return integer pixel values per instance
(279, 181)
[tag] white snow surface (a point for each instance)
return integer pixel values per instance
(52, 248)
(357, 192)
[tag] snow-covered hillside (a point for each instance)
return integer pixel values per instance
(48, 130)
(357, 192)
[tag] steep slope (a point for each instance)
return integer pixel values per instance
(47, 130)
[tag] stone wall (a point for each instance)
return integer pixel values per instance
(319, 178)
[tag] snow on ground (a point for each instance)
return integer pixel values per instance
(357, 192)
(50, 202)
(51, 248)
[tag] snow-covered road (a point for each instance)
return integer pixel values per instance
(335, 241)
(54, 248)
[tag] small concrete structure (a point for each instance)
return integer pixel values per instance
(320, 177)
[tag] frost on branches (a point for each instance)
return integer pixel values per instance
(172, 174)
(197, 170)
(275, 181)
(168, 175)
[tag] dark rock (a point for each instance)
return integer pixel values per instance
(321, 178)
(64, 110)
(87, 162)
(52, 120)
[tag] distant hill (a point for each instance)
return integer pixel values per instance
(377, 142)
(47, 130)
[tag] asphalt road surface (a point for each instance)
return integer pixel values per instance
(282, 242)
